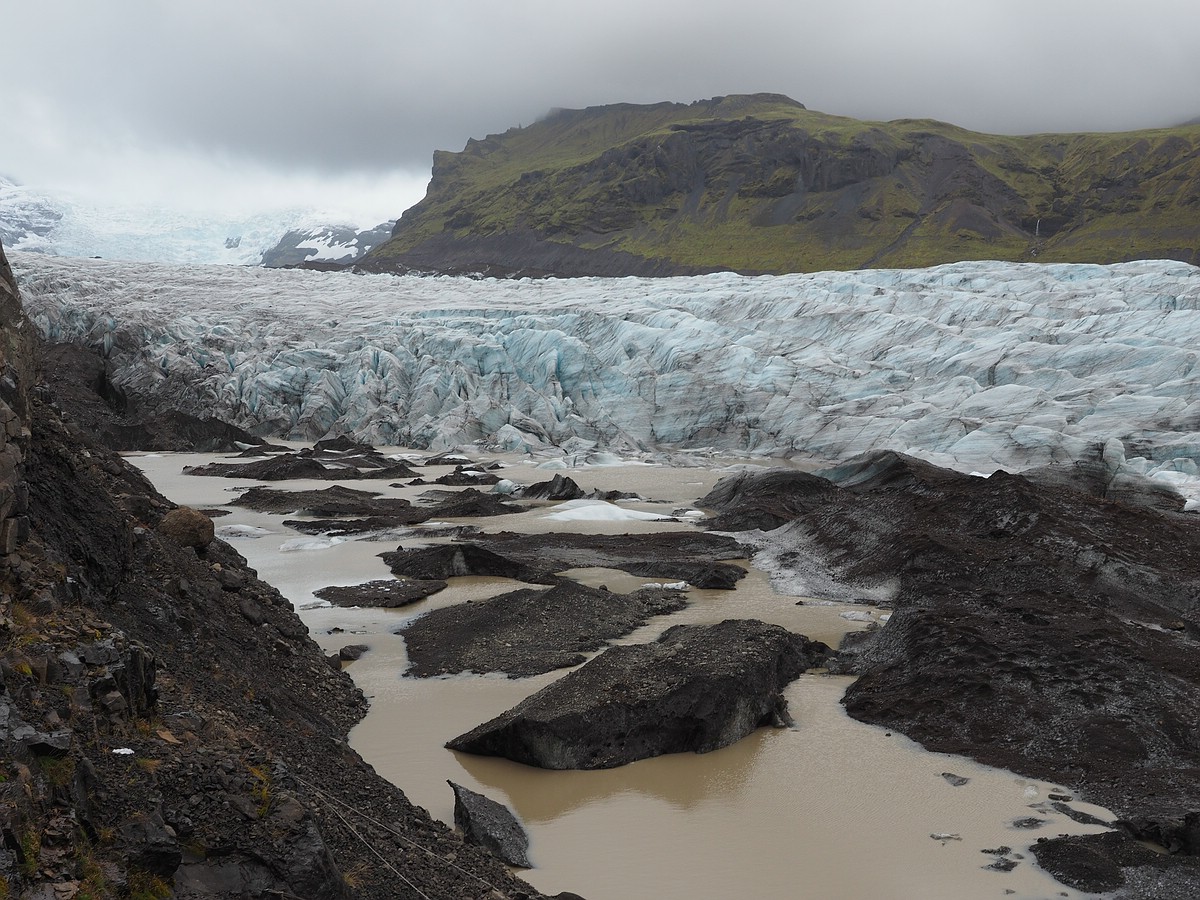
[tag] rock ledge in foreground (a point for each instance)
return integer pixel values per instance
(697, 688)
(490, 825)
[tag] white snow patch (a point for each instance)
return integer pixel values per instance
(598, 511)
(253, 532)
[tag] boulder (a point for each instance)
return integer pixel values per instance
(490, 825)
(187, 527)
(559, 487)
(697, 688)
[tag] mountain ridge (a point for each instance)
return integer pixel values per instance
(761, 184)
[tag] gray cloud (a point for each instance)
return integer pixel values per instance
(374, 88)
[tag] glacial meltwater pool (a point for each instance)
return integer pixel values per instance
(830, 808)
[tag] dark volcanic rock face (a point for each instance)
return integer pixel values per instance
(490, 825)
(527, 632)
(1035, 627)
(697, 688)
(105, 414)
(238, 781)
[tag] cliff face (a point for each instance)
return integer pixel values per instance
(16, 374)
(169, 727)
(761, 184)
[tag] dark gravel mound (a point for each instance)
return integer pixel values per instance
(665, 556)
(527, 632)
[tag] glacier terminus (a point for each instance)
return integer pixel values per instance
(974, 365)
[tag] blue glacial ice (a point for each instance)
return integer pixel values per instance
(978, 365)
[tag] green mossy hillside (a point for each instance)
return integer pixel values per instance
(759, 183)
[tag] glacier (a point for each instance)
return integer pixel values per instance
(61, 224)
(974, 365)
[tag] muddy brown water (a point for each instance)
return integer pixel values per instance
(830, 808)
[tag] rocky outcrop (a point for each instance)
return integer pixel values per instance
(527, 632)
(103, 413)
(381, 594)
(490, 825)
(697, 688)
(16, 379)
(325, 246)
(665, 555)
(316, 462)
(1035, 627)
(168, 725)
(444, 561)
(557, 488)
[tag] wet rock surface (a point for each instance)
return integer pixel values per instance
(1036, 627)
(697, 688)
(443, 561)
(386, 594)
(527, 632)
(490, 825)
(665, 555)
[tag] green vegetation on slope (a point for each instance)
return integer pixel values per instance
(760, 184)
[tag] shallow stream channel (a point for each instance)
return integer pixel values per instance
(828, 808)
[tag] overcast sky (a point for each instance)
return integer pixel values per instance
(223, 103)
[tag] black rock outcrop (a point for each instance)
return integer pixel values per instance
(490, 825)
(665, 555)
(443, 561)
(1035, 627)
(697, 688)
(528, 631)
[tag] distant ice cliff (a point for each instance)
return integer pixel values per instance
(977, 365)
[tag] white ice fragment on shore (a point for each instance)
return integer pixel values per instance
(598, 511)
(252, 532)
(505, 486)
(309, 543)
(672, 586)
(123, 751)
(855, 616)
